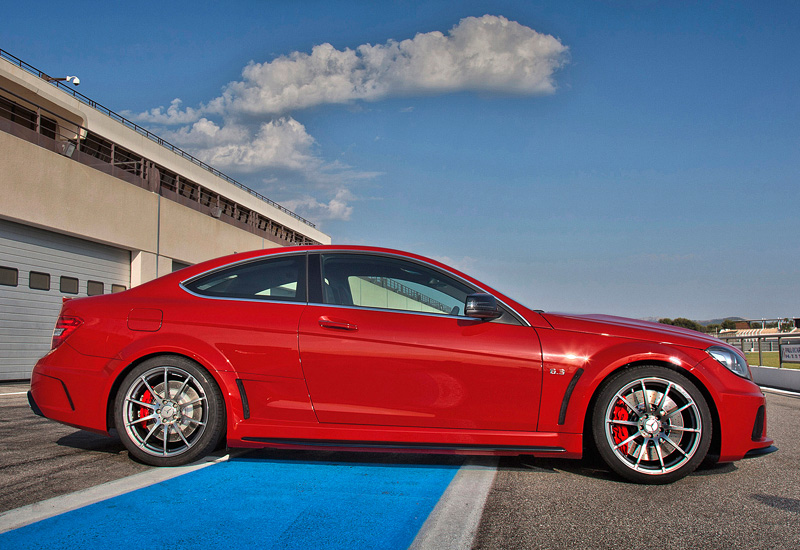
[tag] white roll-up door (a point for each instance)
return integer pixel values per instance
(38, 269)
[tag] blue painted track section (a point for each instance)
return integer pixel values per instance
(257, 503)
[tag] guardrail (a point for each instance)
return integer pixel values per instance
(145, 132)
(758, 341)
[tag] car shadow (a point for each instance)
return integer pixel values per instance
(591, 467)
(89, 441)
(781, 503)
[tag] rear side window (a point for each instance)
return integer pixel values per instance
(280, 278)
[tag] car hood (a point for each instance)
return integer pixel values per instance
(630, 328)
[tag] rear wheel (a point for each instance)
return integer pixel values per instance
(169, 411)
(651, 425)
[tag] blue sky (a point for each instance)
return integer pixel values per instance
(634, 158)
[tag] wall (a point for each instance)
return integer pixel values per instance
(45, 189)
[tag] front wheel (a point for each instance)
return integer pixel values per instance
(651, 425)
(169, 411)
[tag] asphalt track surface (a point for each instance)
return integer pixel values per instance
(303, 499)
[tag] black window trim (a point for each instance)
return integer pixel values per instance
(313, 281)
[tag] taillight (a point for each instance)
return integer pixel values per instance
(66, 325)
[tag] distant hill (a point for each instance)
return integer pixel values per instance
(719, 321)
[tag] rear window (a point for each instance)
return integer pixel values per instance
(280, 278)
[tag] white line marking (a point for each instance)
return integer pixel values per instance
(453, 523)
(15, 393)
(20, 517)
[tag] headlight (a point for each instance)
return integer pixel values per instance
(731, 360)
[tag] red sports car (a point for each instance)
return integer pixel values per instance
(367, 348)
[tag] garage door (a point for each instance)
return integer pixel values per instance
(38, 269)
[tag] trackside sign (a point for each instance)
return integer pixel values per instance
(790, 353)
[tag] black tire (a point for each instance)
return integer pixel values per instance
(169, 411)
(655, 440)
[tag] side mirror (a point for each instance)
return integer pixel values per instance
(482, 306)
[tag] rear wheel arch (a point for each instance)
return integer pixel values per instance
(112, 394)
(169, 409)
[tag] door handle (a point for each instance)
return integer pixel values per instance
(336, 324)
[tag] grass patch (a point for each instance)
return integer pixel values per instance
(769, 359)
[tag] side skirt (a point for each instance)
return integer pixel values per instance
(422, 447)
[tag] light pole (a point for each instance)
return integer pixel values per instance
(73, 79)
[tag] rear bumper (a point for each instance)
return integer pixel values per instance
(75, 396)
(34, 407)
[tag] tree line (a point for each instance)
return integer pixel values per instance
(694, 325)
(728, 324)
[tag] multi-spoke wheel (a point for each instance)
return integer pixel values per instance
(169, 411)
(651, 425)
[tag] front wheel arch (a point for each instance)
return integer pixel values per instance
(589, 447)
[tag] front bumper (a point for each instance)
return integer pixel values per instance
(755, 453)
(743, 426)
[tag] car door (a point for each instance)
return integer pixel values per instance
(249, 312)
(389, 345)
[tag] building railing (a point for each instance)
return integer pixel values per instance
(757, 342)
(145, 132)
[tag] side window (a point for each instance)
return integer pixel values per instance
(390, 283)
(9, 276)
(280, 278)
(68, 285)
(94, 288)
(38, 280)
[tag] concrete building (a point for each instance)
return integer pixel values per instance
(92, 203)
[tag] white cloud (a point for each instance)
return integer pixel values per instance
(248, 128)
(479, 53)
(282, 143)
(337, 208)
(172, 116)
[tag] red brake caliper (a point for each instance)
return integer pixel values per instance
(620, 413)
(144, 412)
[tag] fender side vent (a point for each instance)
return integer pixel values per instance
(245, 405)
(562, 415)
